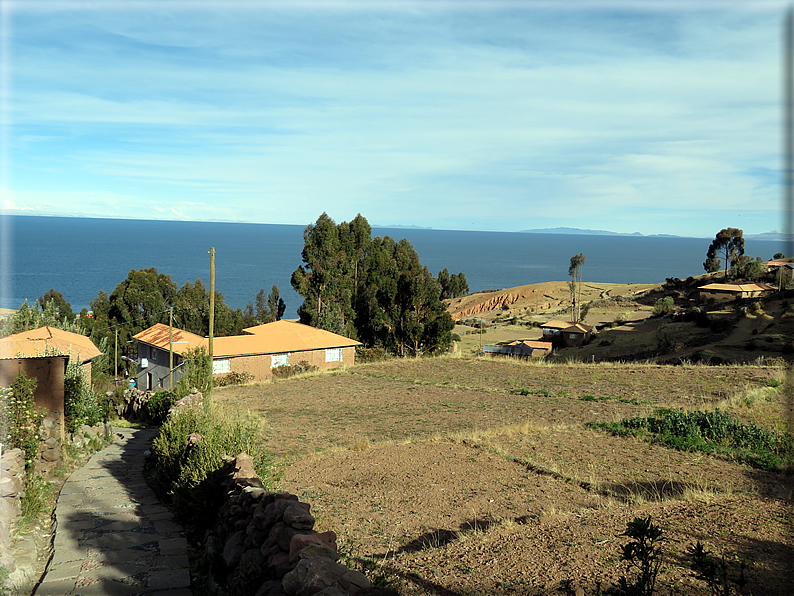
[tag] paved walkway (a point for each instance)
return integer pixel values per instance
(112, 536)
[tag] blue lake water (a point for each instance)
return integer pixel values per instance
(80, 256)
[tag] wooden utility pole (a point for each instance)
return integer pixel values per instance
(171, 347)
(212, 300)
(116, 354)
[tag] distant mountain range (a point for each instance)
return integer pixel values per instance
(593, 232)
(764, 236)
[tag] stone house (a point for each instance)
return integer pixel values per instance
(257, 351)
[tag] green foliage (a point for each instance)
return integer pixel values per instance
(34, 498)
(197, 373)
(233, 378)
(41, 314)
(81, 403)
(452, 286)
(373, 290)
(269, 308)
(663, 306)
(645, 556)
(730, 242)
(283, 372)
(709, 432)
(722, 577)
(187, 475)
(159, 404)
(21, 420)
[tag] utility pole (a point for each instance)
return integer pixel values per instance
(171, 347)
(212, 301)
(116, 354)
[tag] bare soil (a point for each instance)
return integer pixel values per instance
(472, 476)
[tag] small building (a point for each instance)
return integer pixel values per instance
(569, 333)
(577, 334)
(554, 328)
(521, 348)
(44, 354)
(733, 291)
(257, 351)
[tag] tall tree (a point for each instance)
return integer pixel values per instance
(575, 271)
(63, 309)
(269, 307)
(452, 286)
(321, 279)
(730, 243)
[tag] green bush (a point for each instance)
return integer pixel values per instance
(188, 476)
(233, 378)
(21, 420)
(81, 404)
(159, 404)
(709, 432)
(663, 306)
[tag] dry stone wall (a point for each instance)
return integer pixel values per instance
(274, 533)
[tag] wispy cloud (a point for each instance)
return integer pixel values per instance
(452, 116)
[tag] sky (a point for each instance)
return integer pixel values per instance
(652, 117)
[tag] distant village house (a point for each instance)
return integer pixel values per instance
(733, 291)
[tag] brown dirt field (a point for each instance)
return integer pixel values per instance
(439, 474)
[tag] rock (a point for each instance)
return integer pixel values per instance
(353, 581)
(252, 557)
(312, 575)
(299, 542)
(271, 587)
(233, 549)
(298, 516)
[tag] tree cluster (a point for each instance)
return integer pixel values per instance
(374, 290)
(452, 286)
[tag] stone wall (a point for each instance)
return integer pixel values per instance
(270, 535)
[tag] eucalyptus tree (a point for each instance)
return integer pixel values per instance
(729, 243)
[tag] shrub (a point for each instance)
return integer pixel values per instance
(709, 432)
(186, 474)
(644, 554)
(81, 404)
(233, 378)
(159, 404)
(663, 306)
(283, 372)
(22, 419)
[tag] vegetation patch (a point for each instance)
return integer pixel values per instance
(715, 432)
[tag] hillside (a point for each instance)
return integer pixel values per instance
(625, 326)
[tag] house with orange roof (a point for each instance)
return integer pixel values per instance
(257, 351)
(733, 291)
(43, 354)
(569, 333)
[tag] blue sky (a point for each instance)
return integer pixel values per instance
(657, 117)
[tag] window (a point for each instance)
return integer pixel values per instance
(221, 366)
(572, 335)
(279, 360)
(333, 355)
(153, 354)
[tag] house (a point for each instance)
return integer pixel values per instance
(733, 291)
(522, 348)
(257, 351)
(576, 334)
(43, 354)
(571, 334)
(554, 328)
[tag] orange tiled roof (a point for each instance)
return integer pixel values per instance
(271, 338)
(36, 342)
(539, 345)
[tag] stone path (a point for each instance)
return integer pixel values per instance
(112, 536)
